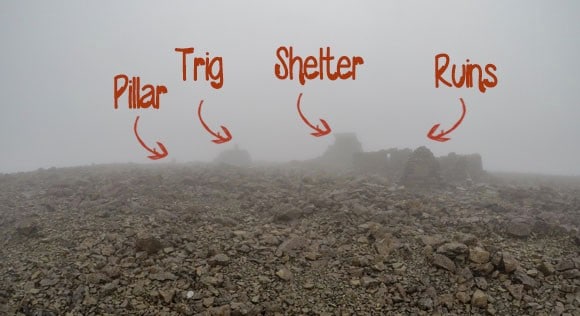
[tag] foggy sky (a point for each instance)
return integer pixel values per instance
(59, 58)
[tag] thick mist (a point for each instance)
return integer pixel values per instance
(58, 61)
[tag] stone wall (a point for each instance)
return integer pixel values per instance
(458, 168)
(397, 161)
(374, 162)
(422, 169)
(412, 168)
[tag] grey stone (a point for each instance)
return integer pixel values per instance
(453, 249)
(444, 262)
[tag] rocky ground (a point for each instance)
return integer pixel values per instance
(218, 240)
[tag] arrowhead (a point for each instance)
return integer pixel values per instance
(156, 155)
(321, 132)
(221, 139)
(439, 137)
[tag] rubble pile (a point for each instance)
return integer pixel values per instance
(182, 239)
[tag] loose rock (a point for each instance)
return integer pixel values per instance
(444, 262)
(479, 299)
(284, 274)
(478, 255)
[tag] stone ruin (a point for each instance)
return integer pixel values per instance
(341, 153)
(397, 161)
(422, 169)
(234, 157)
(457, 168)
(389, 162)
(374, 162)
(411, 168)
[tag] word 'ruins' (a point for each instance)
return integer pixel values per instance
(464, 77)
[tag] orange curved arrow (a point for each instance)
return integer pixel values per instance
(441, 136)
(318, 131)
(156, 155)
(219, 138)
